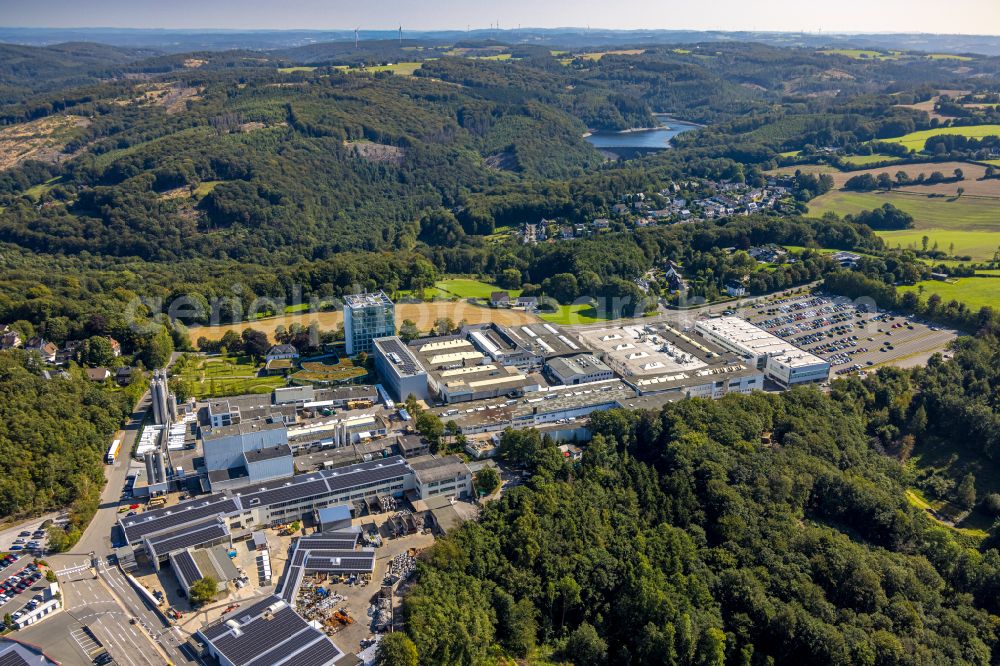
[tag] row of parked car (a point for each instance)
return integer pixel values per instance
(19, 582)
(35, 544)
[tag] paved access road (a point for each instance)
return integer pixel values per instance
(99, 603)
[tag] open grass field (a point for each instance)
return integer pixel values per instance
(863, 160)
(956, 213)
(975, 292)
(597, 55)
(972, 185)
(970, 222)
(229, 375)
(466, 288)
(422, 314)
(864, 54)
(917, 140)
(400, 68)
(980, 245)
(205, 187)
(289, 70)
(575, 314)
(948, 56)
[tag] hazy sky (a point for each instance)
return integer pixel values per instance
(953, 16)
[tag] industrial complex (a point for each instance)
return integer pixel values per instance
(332, 471)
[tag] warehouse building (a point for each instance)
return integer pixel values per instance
(559, 409)
(400, 369)
(270, 632)
(459, 372)
(780, 360)
(579, 369)
(658, 358)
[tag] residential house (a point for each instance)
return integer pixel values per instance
(116, 346)
(9, 338)
(735, 289)
(47, 350)
(500, 299)
(123, 376)
(529, 303)
(280, 352)
(98, 374)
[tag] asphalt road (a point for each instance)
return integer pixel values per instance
(100, 604)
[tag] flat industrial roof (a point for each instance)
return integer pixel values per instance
(752, 340)
(402, 361)
(432, 468)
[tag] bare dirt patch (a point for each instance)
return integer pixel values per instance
(422, 314)
(42, 139)
(172, 97)
(928, 105)
(377, 152)
(194, 63)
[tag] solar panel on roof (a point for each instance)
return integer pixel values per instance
(186, 567)
(187, 538)
(320, 653)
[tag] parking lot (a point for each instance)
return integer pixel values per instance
(851, 337)
(20, 581)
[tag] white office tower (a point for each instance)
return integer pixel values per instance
(366, 317)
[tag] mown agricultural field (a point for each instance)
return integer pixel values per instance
(917, 140)
(975, 292)
(971, 222)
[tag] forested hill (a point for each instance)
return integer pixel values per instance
(314, 150)
(758, 529)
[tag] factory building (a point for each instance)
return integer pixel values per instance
(579, 369)
(400, 369)
(268, 631)
(780, 360)
(367, 317)
(246, 452)
(447, 476)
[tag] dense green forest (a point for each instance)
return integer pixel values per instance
(53, 435)
(750, 530)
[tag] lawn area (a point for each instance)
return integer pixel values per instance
(948, 56)
(221, 376)
(917, 140)
(865, 160)
(975, 292)
(467, 288)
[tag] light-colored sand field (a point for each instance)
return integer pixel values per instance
(422, 314)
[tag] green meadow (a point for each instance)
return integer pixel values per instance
(917, 140)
